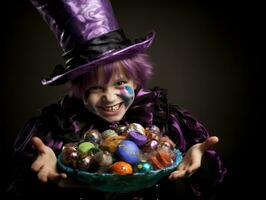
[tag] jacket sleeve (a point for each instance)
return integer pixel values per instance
(186, 131)
(24, 181)
(22, 157)
(48, 126)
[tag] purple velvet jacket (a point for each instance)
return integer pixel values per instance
(67, 121)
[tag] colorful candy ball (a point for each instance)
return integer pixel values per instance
(143, 167)
(85, 147)
(122, 168)
(93, 136)
(128, 151)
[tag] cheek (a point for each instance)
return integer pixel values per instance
(130, 90)
(127, 91)
(91, 102)
(127, 94)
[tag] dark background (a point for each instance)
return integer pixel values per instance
(208, 55)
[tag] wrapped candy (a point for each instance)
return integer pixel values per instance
(137, 138)
(152, 128)
(166, 143)
(93, 136)
(145, 149)
(108, 133)
(85, 147)
(122, 168)
(128, 151)
(143, 167)
(85, 162)
(121, 130)
(153, 132)
(110, 144)
(136, 127)
(161, 159)
(103, 158)
(70, 154)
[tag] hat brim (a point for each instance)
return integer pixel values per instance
(108, 57)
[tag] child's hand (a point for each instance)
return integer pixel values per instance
(45, 164)
(192, 159)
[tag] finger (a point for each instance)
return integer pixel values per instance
(63, 175)
(181, 166)
(193, 168)
(37, 142)
(56, 176)
(209, 142)
(36, 166)
(177, 174)
(43, 175)
(190, 171)
(188, 174)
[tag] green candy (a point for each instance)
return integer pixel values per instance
(85, 147)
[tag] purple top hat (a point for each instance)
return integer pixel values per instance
(89, 35)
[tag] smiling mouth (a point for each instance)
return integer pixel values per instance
(113, 108)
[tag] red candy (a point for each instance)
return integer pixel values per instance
(122, 168)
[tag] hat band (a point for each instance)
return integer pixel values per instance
(96, 47)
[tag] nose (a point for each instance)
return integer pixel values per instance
(109, 96)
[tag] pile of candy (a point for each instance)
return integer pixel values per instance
(125, 150)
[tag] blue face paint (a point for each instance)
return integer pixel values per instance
(129, 90)
(128, 99)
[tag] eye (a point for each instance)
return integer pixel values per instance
(94, 89)
(121, 82)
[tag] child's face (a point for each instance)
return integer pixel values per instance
(110, 101)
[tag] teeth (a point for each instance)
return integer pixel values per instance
(112, 108)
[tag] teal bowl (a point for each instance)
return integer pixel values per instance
(120, 183)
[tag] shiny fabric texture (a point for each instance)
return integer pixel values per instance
(83, 53)
(68, 120)
(77, 21)
(84, 30)
(67, 74)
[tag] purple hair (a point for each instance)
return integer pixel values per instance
(137, 67)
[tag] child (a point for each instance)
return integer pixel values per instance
(106, 75)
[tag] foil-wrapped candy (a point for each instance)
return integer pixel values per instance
(143, 167)
(70, 154)
(121, 130)
(136, 127)
(93, 136)
(108, 133)
(85, 147)
(85, 162)
(153, 132)
(110, 144)
(103, 158)
(161, 159)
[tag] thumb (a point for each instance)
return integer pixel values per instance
(38, 144)
(209, 142)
